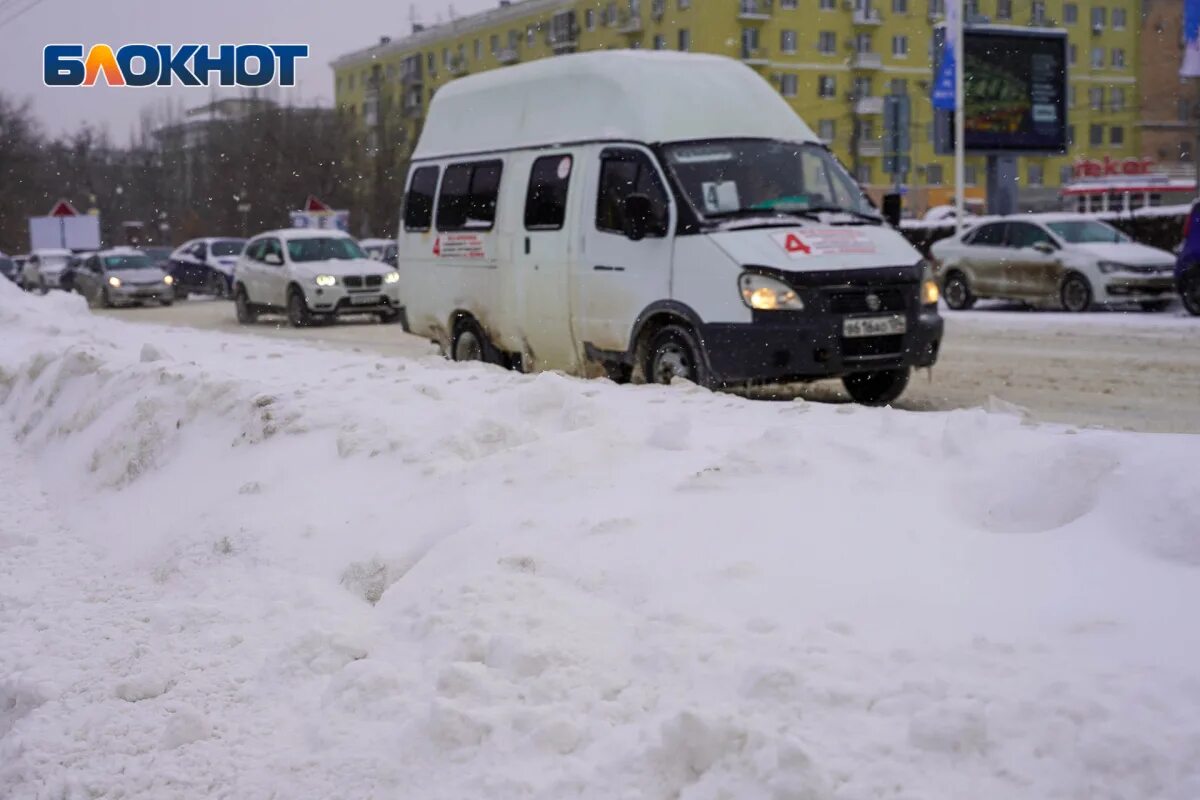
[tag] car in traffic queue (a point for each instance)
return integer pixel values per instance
(380, 249)
(19, 276)
(123, 276)
(312, 276)
(205, 266)
(8, 268)
(1187, 265)
(617, 215)
(66, 281)
(1058, 261)
(44, 268)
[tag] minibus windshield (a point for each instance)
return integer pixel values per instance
(746, 177)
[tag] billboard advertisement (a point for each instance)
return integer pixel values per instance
(1015, 84)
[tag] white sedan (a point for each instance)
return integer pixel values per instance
(313, 275)
(1063, 261)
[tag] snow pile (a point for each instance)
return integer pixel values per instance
(231, 567)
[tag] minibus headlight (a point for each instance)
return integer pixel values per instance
(168, 280)
(930, 293)
(325, 280)
(767, 294)
(392, 277)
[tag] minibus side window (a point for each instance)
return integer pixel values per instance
(418, 203)
(467, 200)
(546, 200)
(626, 172)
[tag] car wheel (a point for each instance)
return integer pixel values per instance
(166, 303)
(673, 353)
(297, 309)
(247, 313)
(1189, 291)
(103, 299)
(876, 388)
(471, 343)
(1076, 293)
(957, 292)
(389, 317)
(1154, 305)
(217, 286)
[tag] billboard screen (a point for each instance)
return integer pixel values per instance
(1015, 82)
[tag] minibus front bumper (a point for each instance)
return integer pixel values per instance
(783, 346)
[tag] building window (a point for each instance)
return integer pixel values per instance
(660, 42)
(787, 41)
(862, 43)
(827, 5)
(1070, 13)
(826, 86)
(1096, 98)
(1116, 98)
(418, 203)
(826, 130)
(827, 43)
(1118, 58)
(862, 87)
(1116, 136)
(900, 47)
(899, 86)
(1070, 135)
(1072, 54)
(1037, 15)
(1095, 135)
(1003, 9)
(431, 63)
(1184, 109)
(899, 6)
(1119, 19)
(788, 5)
(937, 8)
(1097, 58)
(970, 174)
(589, 19)
(684, 5)
(1036, 175)
(788, 85)
(467, 200)
(1099, 16)
(530, 36)
(1066, 174)
(685, 40)
(658, 8)
(864, 174)
(546, 197)
(933, 174)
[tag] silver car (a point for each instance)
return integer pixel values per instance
(123, 277)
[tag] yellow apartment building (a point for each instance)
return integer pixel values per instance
(833, 60)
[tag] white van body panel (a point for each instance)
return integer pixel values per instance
(815, 247)
(707, 277)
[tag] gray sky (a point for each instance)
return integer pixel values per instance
(329, 27)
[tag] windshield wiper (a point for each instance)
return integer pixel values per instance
(859, 215)
(777, 216)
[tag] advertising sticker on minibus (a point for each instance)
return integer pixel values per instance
(460, 245)
(824, 242)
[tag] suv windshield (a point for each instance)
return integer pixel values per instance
(324, 249)
(741, 177)
(228, 247)
(138, 261)
(1087, 232)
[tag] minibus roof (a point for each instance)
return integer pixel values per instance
(649, 97)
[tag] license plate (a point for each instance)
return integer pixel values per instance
(859, 327)
(369, 300)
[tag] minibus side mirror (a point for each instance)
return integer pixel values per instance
(639, 212)
(892, 205)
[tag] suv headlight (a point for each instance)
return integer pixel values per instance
(930, 293)
(1108, 267)
(767, 294)
(392, 277)
(168, 280)
(325, 280)
(114, 282)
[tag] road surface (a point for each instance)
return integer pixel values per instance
(1130, 371)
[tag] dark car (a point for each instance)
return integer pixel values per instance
(1187, 266)
(205, 266)
(8, 268)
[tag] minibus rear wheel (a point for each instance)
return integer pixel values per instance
(673, 353)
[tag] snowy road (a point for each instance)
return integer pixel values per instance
(236, 570)
(1126, 371)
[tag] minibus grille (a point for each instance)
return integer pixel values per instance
(856, 301)
(872, 347)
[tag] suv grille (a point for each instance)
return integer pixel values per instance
(374, 281)
(353, 281)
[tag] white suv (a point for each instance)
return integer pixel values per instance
(313, 275)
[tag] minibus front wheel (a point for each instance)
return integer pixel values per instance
(470, 343)
(674, 352)
(877, 387)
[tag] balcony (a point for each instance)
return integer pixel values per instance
(457, 67)
(868, 106)
(755, 56)
(866, 61)
(411, 79)
(870, 148)
(565, 42)
(867, 16)
(754, 10)
(629, 25)
(508, 55)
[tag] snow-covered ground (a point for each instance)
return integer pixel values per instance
(233, 567)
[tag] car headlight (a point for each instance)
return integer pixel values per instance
(114, 282)
(392, 277)
(1108, 267)
(930, 293)
(168, 280)
(767, 294)
(325, 280)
